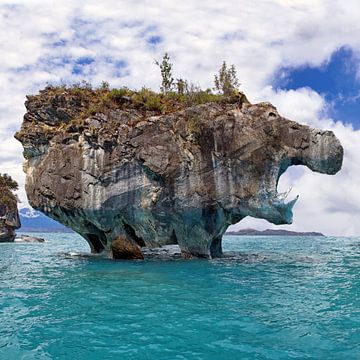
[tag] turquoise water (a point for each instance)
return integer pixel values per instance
(281, 298)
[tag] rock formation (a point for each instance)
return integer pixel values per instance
(125, 178)
(29, 239)
(9, 216)
(272, 232)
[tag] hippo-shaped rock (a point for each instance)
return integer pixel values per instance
(126, 179)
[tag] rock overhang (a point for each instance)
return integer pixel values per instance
(159, 179)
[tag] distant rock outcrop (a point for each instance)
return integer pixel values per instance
(9, 216)
(271, 232)
(29, 239)
(127, 178)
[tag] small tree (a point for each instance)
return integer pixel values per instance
(182, 86)
(166, 74)
(226, 80)
(6, 182)
(104, 86)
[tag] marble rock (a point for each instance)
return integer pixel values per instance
(128, 179)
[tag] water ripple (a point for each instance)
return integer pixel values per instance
(273, 298)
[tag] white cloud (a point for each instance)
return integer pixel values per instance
(41, 41)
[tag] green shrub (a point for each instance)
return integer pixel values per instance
(197, 96)
(147, 99)
(104, 86)
(6, 182)
(226, 80)
(7, 201)
(7, 198)
(182, 86)
(118, 94)
(174, 96)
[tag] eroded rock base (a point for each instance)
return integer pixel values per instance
(122, 248)
(126, 179)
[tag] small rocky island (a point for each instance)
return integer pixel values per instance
(130, 170)
(272, 232)
(9, 216)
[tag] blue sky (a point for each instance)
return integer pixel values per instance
(301, 55)
(336, 79)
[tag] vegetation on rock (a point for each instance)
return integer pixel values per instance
(8, 201)
(79, 108)
(7, 182)
(226, 81)
(166, 74)
(173, 96)
(128, 169)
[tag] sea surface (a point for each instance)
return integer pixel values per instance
(279, 298)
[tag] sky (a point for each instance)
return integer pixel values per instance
(301, 55)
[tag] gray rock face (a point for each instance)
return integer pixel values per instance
(126, 179)
(9, 216)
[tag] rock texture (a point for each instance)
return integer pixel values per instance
(9, 216)
(126, 179)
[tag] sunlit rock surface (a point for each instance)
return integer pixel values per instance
(127, 179)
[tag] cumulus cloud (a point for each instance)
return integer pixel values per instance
(117, 41)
